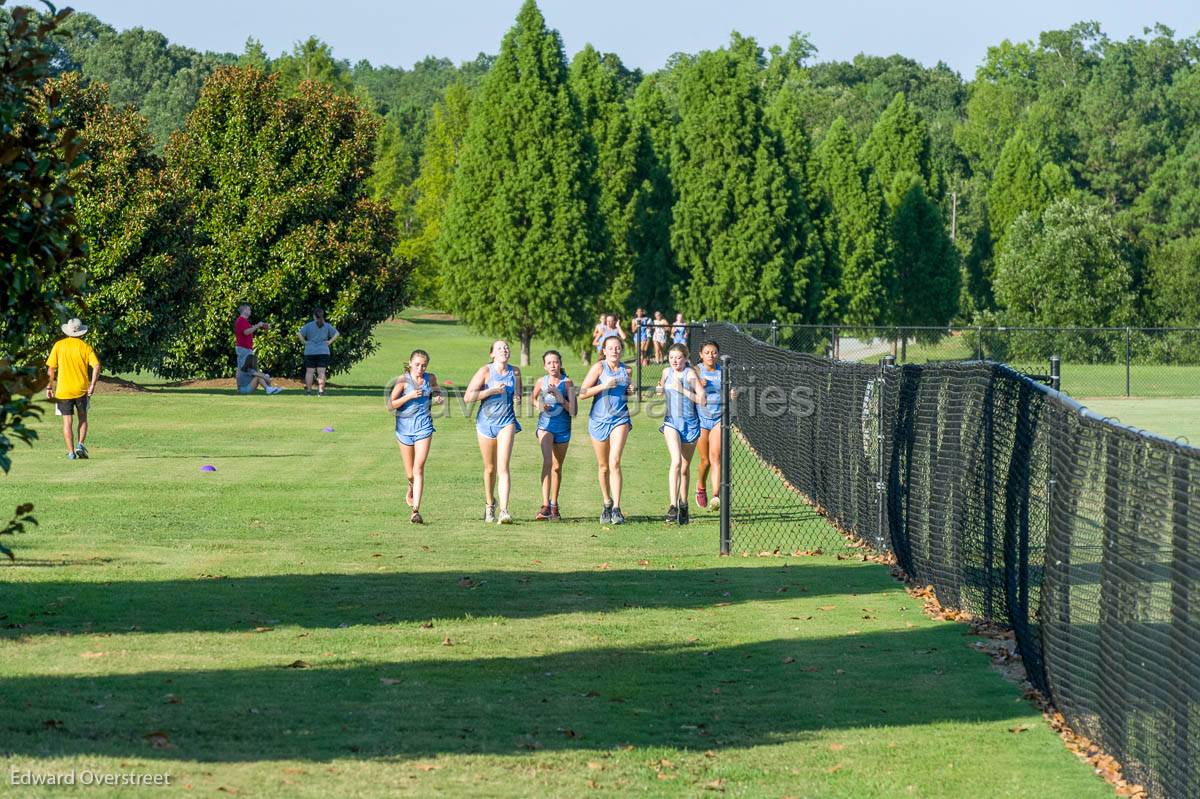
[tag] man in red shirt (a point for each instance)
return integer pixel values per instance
(243, 333)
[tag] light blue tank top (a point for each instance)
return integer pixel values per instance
(553, 416)
(611, 404)
(498, 408)
(712, 392)
(419, 406)
(681, 408)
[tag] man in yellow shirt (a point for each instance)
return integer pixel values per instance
(69, 386)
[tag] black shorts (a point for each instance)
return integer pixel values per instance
(316, 361)
(67, 407)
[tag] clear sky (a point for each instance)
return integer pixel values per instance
(642, 32)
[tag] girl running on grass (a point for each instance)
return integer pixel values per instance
(554, 398)
(681, 426)
(679, 331)
(498, 385)
(609, 423)
(410, 399)
(710, 426)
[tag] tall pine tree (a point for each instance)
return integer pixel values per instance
(443, 141)
(623, 160)
(521, 241)
(1021, 183)
(927, 272)
(654, 283)
(733, 231)
(858, 235)
(898, 142)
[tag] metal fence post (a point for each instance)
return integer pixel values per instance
(638, 352)
(774, 332)
(726, 415)
(1128, 350)
(1055, 375)
(880, 494)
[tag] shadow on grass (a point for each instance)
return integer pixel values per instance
(219, 604)
(683, 696)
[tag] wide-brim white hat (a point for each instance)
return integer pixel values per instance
(75, 328)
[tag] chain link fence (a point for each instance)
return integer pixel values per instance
(1016, 503)
(1097, 362)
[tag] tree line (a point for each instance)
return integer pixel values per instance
(526, 192)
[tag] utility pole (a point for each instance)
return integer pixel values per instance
(954, 216)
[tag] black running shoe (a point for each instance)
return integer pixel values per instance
(617, 516)
(672, 515)
(683, 513)
(606, 515)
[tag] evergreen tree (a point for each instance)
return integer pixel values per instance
(624, 162)
(137, 265)
(733, 231)
(1020, 184)
(927, 272)
(785, 115)
(275, 187)
(521, 242)
(655, 282)
(899, 143)
(857, 243)
(447, 129)
(312, 60)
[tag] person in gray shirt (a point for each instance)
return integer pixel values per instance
(317, 335)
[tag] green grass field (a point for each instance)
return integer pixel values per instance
(279, 628)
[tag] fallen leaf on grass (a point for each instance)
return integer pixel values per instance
(835, 768)
(643, 563)
(427, 767)
(231, 791)
(807, 553)
(93, 654)
(52, 724)
(263, 629)
(827, 607)
(466, 582)
(447, 642)
(811, 668)
(715, 785)
(1021, 728)
(389, 681)
(290, 770)
(297, 664)
(662, 775)
(567, 732)
(595, 765)
(836, 747)
(789, 659)
(159, 740)
(427, 625)
(172, 699)
(603, 567)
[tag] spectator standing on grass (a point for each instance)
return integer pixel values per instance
(70, 387)
(316, 336)
(250, 378)
(243, 333)
(660, 336)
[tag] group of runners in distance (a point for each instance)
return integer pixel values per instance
(646, 331)
(692, 419)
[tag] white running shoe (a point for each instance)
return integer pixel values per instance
(503, 517)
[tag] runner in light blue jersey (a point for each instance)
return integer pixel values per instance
(710, 426)
(497, 386)
(681, 426)
(554, 397)
(609, 423)
(410, 400)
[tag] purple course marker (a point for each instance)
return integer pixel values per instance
(327, 430)
(208, 467)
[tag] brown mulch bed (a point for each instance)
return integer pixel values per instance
(115, 385)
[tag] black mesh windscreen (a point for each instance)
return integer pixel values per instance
(1014, 503)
